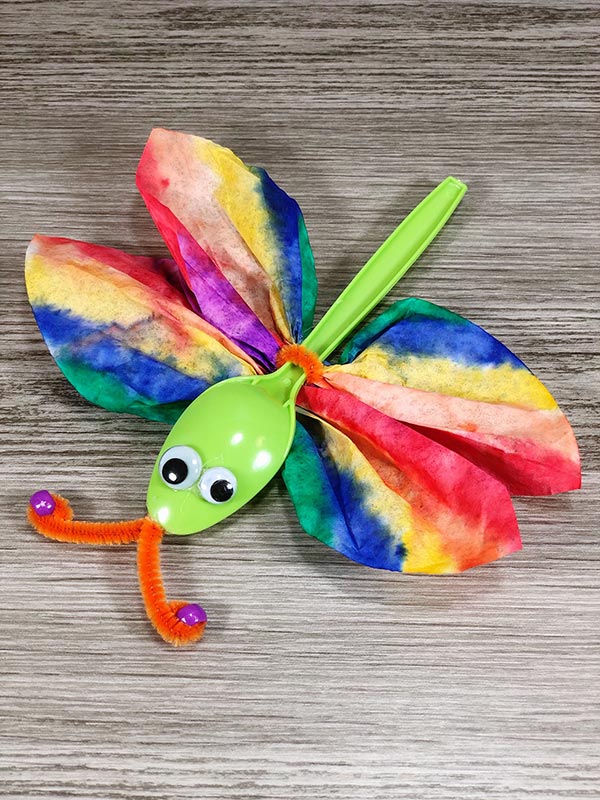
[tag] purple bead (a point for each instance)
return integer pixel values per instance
(42, 503)
(191, 614)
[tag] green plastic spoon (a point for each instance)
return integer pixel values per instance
(230, 442)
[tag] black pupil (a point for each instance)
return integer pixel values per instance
(175, 471)
(221, 490)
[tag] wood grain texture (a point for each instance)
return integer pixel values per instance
(317, 678)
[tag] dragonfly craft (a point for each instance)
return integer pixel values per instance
(404, 453)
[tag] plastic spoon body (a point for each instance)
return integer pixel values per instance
(235, 437)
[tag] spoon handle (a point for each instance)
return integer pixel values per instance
(385, 267)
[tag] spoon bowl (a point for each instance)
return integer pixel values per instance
(242, 426)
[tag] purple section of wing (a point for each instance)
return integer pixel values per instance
(222, 306)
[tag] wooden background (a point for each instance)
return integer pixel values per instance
(317, 678)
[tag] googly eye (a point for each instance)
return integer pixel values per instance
(218, 485)
(180, 467)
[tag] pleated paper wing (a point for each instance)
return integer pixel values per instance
(448, 378)
(410, 448)
(147, 335)
(387, 496)
(239, 240)
(122, 331)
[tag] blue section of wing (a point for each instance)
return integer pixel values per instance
(417, 327)
(78, 342)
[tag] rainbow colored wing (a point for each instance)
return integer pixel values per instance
(386, 496)
(122, 331)
(238, 239)
(452, 381)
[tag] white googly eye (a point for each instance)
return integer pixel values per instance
(218, 485)
(180, 467)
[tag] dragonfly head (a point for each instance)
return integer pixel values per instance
(222, 451)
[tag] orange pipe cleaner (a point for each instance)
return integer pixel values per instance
(61, 526)
(161, 613)
(303, 358)
(54, 519)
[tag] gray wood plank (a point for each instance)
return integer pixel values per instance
(317, 678)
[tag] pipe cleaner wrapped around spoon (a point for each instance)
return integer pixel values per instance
(402, 456)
